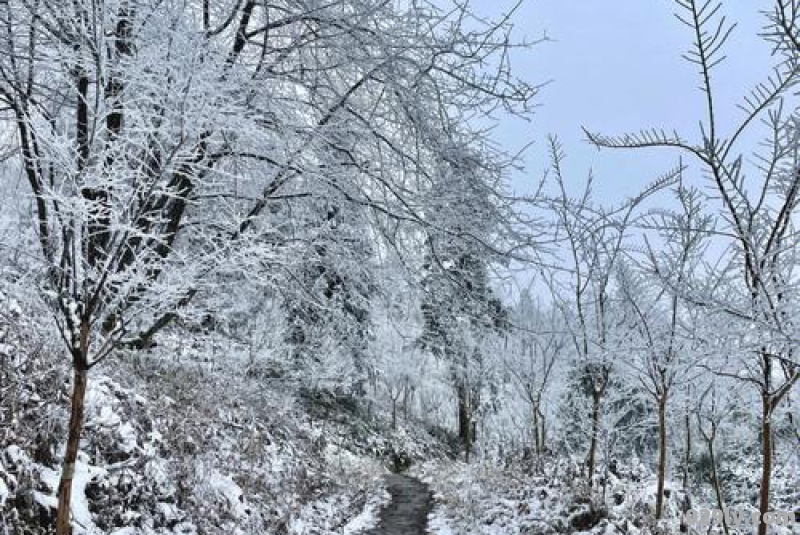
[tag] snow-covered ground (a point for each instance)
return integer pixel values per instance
(183, 447)
(176, 443)
(486, 499)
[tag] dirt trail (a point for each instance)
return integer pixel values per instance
(407, 513)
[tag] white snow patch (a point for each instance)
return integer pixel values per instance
(128, 437)
(439, 525)
(226, 487)
(3, 492)
(368, 518)
(107, 417)
(81, 516)
(45, 500)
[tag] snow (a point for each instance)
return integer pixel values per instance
(227, 488)
(79, 505)
(483, 499)
(45, 500)
(310, 259)
(3, 492)
(84, 474)
(15, 454)
(128, 437)
(208, 454)
(368, 518)
(107, 416)
(438, 524)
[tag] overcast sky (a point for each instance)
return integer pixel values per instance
(616, 67)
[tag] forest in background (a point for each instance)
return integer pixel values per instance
(253, 250)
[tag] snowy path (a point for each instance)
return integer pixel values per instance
(407, 513)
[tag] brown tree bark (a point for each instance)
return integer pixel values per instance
(715, 478)
(710, 439)
(766, 460)
(662, 452)
(71, 455)
(687, 459)
(407, 392)
(591, 460)
(464, 421)
(80, 366)
(543, 432)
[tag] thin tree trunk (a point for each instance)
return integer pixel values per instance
(543, 431)
(687, 459)
(715, 477)
(406, 396)
(593, 440)
(766, 460)
(464, 420)
(71, 455)
(662, 452)
(473, 402)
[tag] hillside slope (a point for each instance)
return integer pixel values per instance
(176, 442)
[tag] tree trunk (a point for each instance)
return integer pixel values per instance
(715, 478)
(593, 440)
(71, 455)
(766, 460)
(662, 452)
(542, 432)
(464, 420)
(406, 400)
(687, 459)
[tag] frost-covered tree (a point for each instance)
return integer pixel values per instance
(118, 134)
(156, 137)
(593, 241)
(659, 348)
(756, 204)
(327, 308)
(458, 306)
(536, 356)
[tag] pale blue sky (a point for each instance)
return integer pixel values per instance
(615, 67)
